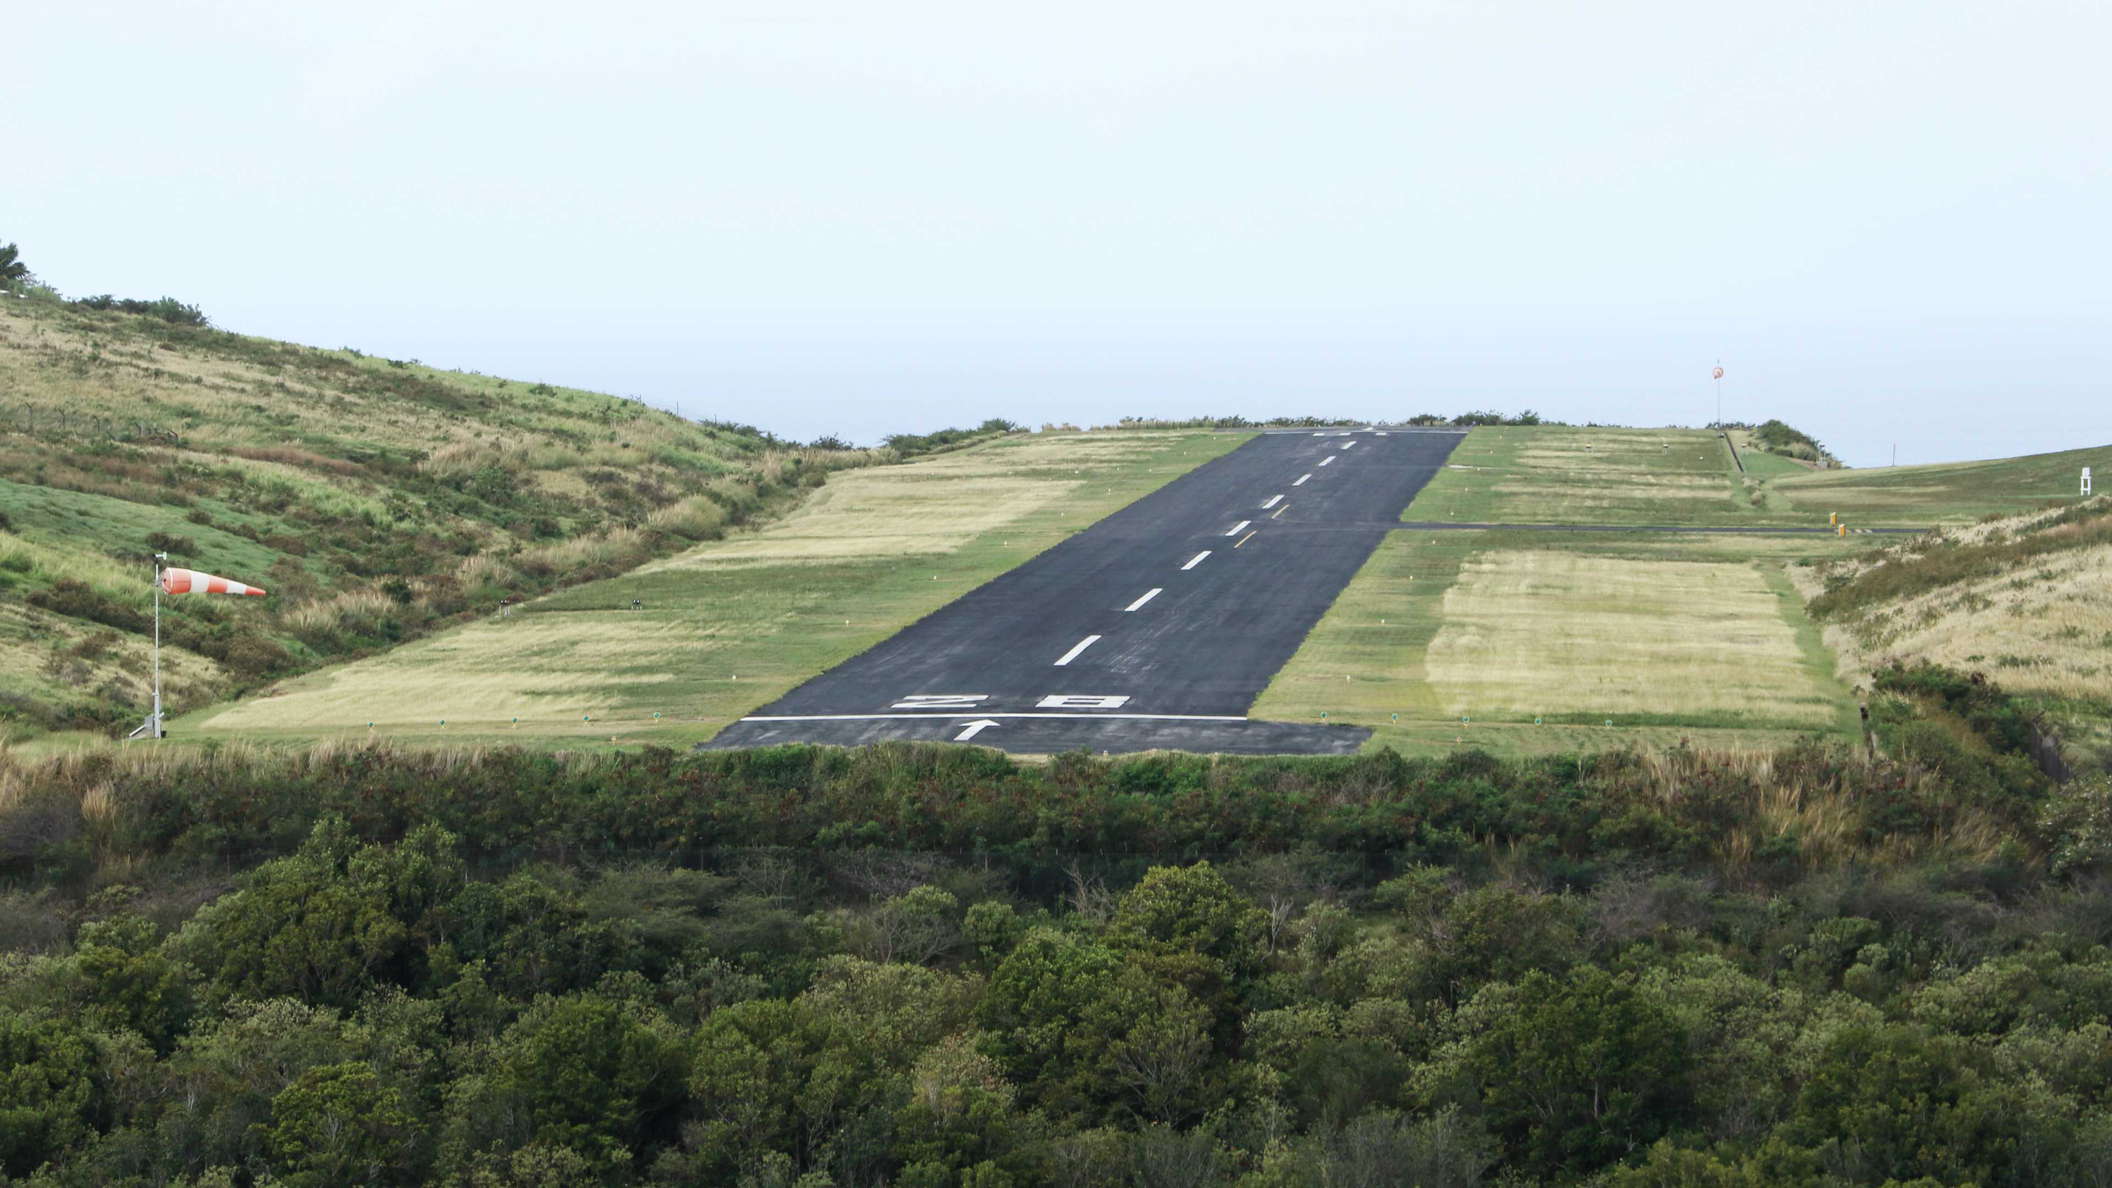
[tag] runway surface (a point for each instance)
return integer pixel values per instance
(1155, 628)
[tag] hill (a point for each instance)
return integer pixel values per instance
(1492, 628)
(375, 498)
(674, 650)
(2017, 599)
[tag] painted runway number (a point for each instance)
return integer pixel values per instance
(1081, 701)
(941, 701)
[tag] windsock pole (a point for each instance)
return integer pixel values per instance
(152, 726)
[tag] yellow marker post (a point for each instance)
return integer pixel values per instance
(1841, 531)
(1833, 517)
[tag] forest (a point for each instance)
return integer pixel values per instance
(935, 965)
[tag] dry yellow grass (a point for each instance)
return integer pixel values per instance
(732, 624)
(2046, 629)
(933, 506)
(1528, 633)
(38, 647)
(550, 670)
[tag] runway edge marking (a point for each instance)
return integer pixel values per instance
(1009, 714)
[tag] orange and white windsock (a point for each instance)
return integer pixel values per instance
(190, 581)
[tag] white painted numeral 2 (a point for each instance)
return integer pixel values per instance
(941, 701)
(1080, 701)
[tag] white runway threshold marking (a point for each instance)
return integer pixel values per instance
(1014, 714)
(1271, 501)
(1328, 459)
(1195, 560)
(1302, 478)
(1234, 529)
(1080, 646)
(1148, 596)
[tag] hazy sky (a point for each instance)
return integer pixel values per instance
(1892, 221)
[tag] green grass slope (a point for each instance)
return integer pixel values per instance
(1527, 641)
(375, 498)
(1944, 493)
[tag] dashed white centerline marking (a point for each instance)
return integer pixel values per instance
(1195, 560)
(1148, 596)
(1347, 444)
(1302, 478)
(1081, 645)
(1272, 501)
(1328, 459)
(1234, 530)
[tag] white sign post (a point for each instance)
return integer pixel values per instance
(2086, 480)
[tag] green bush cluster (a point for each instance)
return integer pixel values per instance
(910, 445)
(934, 966)
(168, 309)
(1778, 438)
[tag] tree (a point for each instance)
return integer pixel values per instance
(589, 1073)
(12, 269)
(51, 1091)
(128, 981)
(332, 919)
(339, 1124)
(1571, 1073)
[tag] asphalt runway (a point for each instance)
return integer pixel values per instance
(1155, 628)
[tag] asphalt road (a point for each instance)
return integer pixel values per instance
(1155, 628)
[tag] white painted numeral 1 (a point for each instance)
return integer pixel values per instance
(1080, 701)
(941, 701)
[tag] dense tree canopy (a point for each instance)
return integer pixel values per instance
(645, 969)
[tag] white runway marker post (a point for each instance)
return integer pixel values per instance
(1080, 646)
(1195, 560)
(1235, 529)
(1139, 603)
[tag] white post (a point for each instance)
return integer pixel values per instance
(2086, 480)
(158, 559)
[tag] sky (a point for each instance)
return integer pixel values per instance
(1891, 222)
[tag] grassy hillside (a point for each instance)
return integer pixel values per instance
(1946, 493)
(674, 650)
(375, 498)
(2020, 599)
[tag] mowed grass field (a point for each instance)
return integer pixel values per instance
(1526, 641)
(730, 625)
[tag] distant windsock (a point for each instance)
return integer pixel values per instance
(190, 581)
